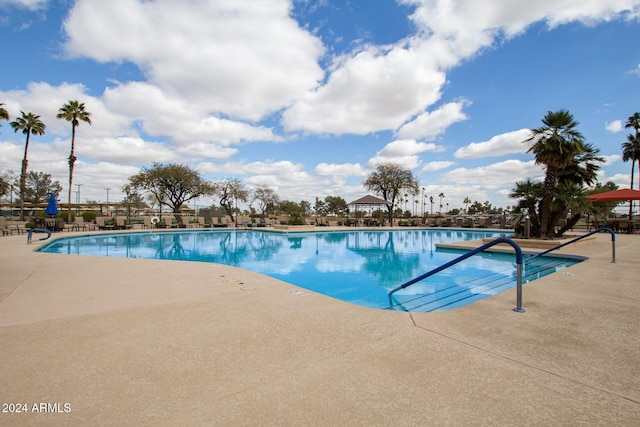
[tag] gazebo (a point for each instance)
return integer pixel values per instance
(369, 201)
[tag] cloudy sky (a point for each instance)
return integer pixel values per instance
(308, 97)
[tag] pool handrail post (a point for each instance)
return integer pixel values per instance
(38, 230)
(519, 263)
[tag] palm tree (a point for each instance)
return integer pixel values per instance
(73, 111)
(556, 144)
(631, 151)
(28, 123)
(441, 196)
(634, 122)
(4, 114)
(528, 193)
(466, 202)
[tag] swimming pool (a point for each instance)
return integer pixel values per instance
(360, 267)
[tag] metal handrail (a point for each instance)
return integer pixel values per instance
(38, 230)
(613, 243)
(519, 262)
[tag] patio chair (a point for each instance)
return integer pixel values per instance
(101, 223)
(171, 222)
(4, 227)
(121, 223)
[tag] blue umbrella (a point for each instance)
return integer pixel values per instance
(52, 207)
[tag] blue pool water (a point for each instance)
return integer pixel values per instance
(360, 267)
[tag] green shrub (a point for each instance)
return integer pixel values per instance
(89, 216)
(295, 219)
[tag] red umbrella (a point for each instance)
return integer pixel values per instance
(615, 196)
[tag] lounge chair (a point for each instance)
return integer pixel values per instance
(226, 221)
(171, 222)
(4, 227)
(102, 225)
(121, 223)
(202, 223)
(19, 227)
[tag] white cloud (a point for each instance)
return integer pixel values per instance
(243, 59)
(403, 151)
(163, 115)
(28, 4)
(375, 89)
(493, 176)
(431, 124)
(609, 160)
(465, 20)
(345, 169)
(614, 126)
(499, 145)
(436, 166)
(44, 100)
(126, 150)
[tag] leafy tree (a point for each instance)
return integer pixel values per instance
(6, 178)
(230, 191)
(600, 209)
(305, 208)
(335, 205)
(170, 184)
(38, 186)
(74, 112)
(266, 198)
(555, 145)
(4, 114)
(296, 211)
(320, 207)
(389, 180)
(28, 123)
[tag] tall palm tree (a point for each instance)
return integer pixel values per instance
(634, 122)
(556, 144)
(631, 151)
(441, 196)
(74, 112)
(466, 202)
(28, 123)
(4, 114)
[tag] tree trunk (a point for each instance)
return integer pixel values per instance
(72, 160)
(569, 225)
(633, 164)
(546, 226)
(23, 177)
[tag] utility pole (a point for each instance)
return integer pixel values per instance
(108, 200)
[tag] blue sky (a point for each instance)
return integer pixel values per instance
(308, 97)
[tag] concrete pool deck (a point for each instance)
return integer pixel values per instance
(144, 342)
